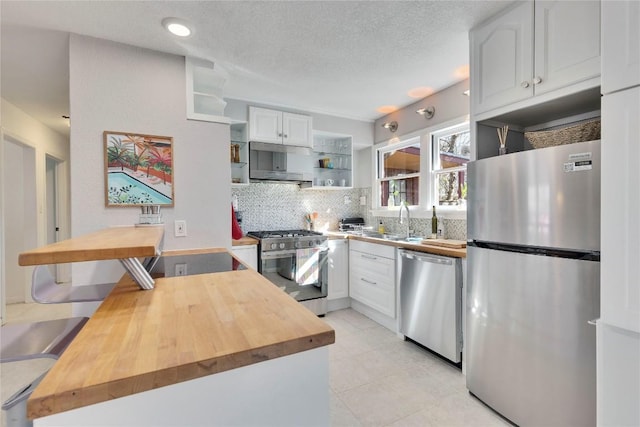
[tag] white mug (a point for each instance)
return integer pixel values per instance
(330, 182)
(343, 183)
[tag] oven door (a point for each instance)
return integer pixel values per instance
(302, 273)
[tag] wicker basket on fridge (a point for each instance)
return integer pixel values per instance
(586, 131)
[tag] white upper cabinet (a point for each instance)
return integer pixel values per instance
(502, 59)
(278, 127)
(533, 49)
(620, 45)
(567, 43)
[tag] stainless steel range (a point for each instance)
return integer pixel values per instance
(296, 262)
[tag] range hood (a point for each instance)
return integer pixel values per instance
(280, 163)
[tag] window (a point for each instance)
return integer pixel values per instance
(399, 174)
(451, 151)
(429, 168)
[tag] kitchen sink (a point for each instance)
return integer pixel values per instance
(394, 237)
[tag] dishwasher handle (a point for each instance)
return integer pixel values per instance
(425, 257)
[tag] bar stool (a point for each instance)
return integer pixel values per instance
(45, 290)
(25, 341)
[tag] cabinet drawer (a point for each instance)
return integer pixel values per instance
(372, 290)
(373, 249)
(379, 267)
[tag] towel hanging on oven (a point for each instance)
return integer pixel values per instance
(307, 266)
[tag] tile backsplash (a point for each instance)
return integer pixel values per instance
(268, 206)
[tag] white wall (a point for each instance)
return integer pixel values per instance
(449, 103)
(118, 87)
(31, 142)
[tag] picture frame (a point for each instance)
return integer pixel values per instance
(138, 169)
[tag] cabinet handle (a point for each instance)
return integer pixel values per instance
(369, 257)
(279, 134)
(285, 135)
(593, 322)
(524, 84)
(537, 80)
(368, 281)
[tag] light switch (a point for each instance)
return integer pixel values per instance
(180, 228)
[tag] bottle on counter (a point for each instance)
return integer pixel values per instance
(434, 224)
(381, 228)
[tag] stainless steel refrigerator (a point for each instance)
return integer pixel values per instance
(534, 284)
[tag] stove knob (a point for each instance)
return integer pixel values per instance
(273, 246)
(318, 242)
(281, 245)
(310, 243)
(297, 244)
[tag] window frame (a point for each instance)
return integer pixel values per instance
(435, 150)
(427, 182)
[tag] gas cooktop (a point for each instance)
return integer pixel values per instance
(282, 233)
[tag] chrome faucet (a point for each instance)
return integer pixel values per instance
(406, 207)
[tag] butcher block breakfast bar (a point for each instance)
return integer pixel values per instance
(212, 343)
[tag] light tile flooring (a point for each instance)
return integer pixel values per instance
(377, 379)
(16, 375)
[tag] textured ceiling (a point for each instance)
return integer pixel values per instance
(344, 58)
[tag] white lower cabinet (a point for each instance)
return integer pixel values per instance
(338, 269)
(372, 280)
(247, 254)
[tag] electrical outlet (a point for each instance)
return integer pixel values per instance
(181, 269)
(363, 200)
(347, 199)
(180, 228)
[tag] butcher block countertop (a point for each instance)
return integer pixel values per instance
(244, 241)
(420, 247)
(110, 243)
(187, 327)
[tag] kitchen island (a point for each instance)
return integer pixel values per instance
(224, 348)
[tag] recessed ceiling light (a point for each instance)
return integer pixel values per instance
(420, 92)
(176, 26)
(386, 109)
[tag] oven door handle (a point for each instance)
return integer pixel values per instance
(289, 252)
(277, 254)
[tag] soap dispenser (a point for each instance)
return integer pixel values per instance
(381, 227)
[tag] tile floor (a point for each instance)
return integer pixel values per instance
(15, 375)
(377, 379)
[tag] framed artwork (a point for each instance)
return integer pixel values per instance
(138, 169)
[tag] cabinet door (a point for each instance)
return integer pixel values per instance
(620, 228)
(265, 125)
(247, 254)
(567, 43)
(338, 269)
(296, 130)
(502, 59)
(620, 45)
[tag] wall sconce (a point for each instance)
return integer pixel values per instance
(427, 112)
(392, 126)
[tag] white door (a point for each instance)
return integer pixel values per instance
(502, 59)
(567, 43)
(620, 45)
(19, 211)
(620, 229)
(265, 125)
(296, 130)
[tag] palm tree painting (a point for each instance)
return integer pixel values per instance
(138, 169)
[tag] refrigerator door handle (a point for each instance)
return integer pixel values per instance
(593, 322)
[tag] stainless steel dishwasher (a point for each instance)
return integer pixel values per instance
(431, 302)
